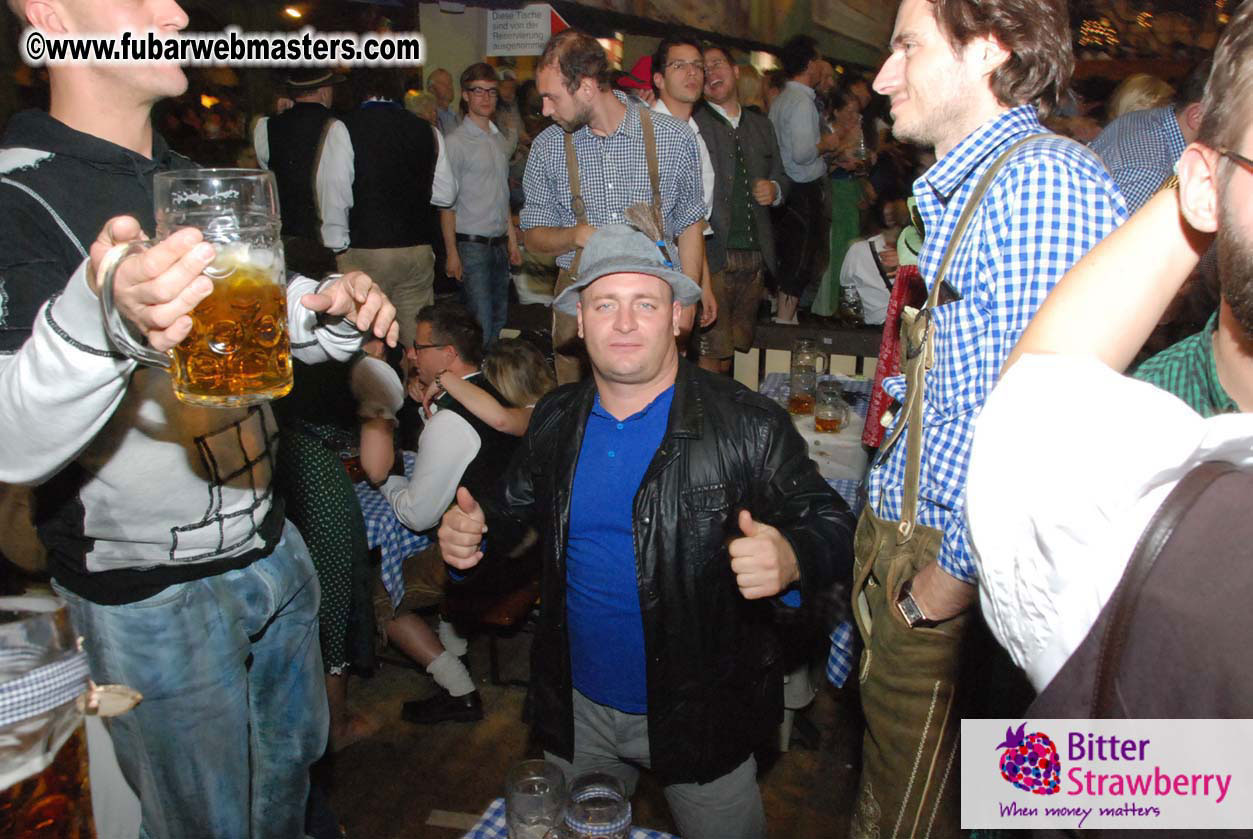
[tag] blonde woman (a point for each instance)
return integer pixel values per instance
(516, 369)
(1138, 92)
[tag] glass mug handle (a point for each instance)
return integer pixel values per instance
(116, 326)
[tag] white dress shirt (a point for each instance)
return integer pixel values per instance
(332, 181)
(1070, 461)
(860, 271)
(335, 174)
(447, 445)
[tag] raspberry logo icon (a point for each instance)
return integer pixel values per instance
(1030, 761)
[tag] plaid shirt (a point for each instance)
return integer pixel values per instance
(1045, 210)
(1140, 149)
(1050, 204)
(1187, 369)
(613, 175)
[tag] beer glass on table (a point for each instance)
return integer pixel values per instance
(807, 363)
(238, 352)
(535, 796)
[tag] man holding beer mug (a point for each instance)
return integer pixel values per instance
(157, 513)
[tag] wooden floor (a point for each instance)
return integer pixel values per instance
(411, 781)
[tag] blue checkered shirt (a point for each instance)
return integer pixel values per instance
(1050, 204)
(1140, 149)
(613, 175)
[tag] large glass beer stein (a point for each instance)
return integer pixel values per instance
(238, 352)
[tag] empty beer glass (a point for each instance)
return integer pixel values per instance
(535, 794)
(598, 809)
(238, 352)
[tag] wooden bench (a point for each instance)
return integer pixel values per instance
(862, 342)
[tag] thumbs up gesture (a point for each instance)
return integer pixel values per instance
(461, 532)
(763, 561)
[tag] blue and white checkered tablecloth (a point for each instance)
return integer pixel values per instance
(384, 531)
(492, 826)
(844, 641)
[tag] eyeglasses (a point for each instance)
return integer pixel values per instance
(683, 66)
(489, 92)
(715, 64)
(1240, 160)
(420, 347)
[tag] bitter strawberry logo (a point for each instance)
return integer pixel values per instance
(1030, 761)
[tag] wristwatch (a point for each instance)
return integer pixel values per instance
(909, 608)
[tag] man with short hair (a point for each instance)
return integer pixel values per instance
(163, 533)
(1140, 148)
(478, 231)
(655, 645)
(399, 176)
(748, 181)
(609, 146)
(966, 77)
(439, 85)
(305, 147)
(802, 226)
(1106, 473)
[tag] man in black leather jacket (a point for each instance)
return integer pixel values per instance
(679, 511)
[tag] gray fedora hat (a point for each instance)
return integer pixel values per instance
(622, 249)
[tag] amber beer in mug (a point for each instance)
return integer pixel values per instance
(238, 352)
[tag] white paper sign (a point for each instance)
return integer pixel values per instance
(522, 31)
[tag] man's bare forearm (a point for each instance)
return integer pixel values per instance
(692, 251)
(554, 241)
(448, 226)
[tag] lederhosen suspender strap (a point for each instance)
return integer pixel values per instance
(878, 264)
(918, 347)
(576, 190)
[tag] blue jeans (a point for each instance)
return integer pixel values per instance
(234, 709)
(485, 285)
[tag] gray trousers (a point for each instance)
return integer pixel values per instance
(609, 740)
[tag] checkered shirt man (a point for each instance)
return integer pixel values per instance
(1044, 211)
(1140, 149)
(613, 175)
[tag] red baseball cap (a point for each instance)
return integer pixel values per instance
(640, 77)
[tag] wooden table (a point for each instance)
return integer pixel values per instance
(859, 341)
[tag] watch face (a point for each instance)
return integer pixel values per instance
(909, 610)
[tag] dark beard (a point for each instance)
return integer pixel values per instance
(580, 119)
(1235, 267)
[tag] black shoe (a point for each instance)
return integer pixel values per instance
(443, 707)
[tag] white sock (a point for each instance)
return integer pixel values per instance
(452, 642)
(450, 674)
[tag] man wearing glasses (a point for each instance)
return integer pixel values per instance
(456, 447)
(478, 235)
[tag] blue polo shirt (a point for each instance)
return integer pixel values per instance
(602, 592)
